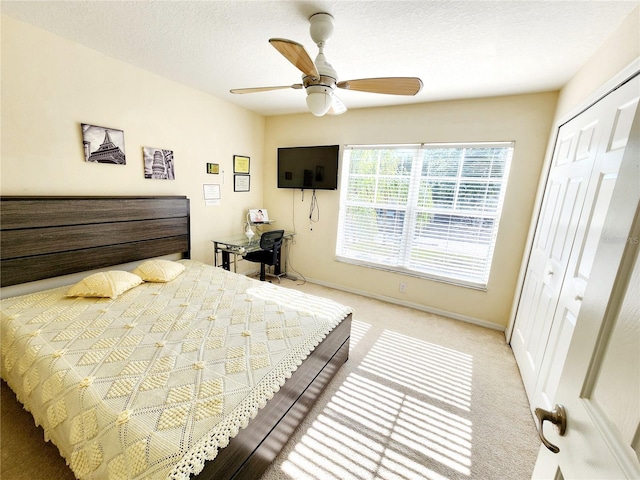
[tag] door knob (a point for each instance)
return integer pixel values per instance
(557, 416)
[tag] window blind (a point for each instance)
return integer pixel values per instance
(431, 210)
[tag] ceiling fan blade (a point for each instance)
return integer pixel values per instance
(296, 54)
(296, 86)
(388, 85)
(337, 107)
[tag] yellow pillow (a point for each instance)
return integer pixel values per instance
(159, 270)
(105, 284)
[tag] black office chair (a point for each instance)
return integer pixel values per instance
(269, 253)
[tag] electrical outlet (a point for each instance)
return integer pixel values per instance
(403, 287)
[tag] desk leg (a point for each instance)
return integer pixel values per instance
(285, 255)
(225, 260)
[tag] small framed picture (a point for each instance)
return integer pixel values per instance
(259, 215)
(103, 145)
(213, 168)
(241, 164)
(241, 183)
(158, 163)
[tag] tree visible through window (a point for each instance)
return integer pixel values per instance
(430, 210)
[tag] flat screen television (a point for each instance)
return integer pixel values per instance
(314, 168)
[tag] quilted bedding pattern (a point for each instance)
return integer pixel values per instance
(151, 384)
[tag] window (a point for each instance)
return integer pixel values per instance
(429, 210)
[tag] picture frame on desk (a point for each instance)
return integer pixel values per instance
(241, 183)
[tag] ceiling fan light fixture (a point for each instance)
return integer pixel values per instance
(319, 103)
(320, 79)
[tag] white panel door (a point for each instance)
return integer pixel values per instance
(616, 131)
(600, 383)
(574, 156)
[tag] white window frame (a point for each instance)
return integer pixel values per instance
(400, 210)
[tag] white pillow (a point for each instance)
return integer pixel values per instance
(159, 270)
(105, 284)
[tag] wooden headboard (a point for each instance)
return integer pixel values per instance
(44, 237)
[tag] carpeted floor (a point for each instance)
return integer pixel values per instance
(421, 397)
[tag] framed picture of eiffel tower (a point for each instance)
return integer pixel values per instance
(103, 145)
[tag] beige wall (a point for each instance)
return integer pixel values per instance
(525, 119)
(50, 86)
(529, 120)
(620, 49)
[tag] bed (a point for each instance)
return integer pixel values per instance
(205, 375)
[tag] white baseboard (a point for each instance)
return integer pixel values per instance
(395, 301)
(415, 306)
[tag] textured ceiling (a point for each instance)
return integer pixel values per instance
(460, 49)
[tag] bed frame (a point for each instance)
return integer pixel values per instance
(45, 237)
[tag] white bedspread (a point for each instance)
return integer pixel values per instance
(153, 383)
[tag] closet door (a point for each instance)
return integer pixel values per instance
(583, 170)
(565, 192)
(598, 199)
(599, 384)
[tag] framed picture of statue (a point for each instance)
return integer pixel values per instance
(103, 145)
(158, 163)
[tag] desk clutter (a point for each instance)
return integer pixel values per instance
(256, 217)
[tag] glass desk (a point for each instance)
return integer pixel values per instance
(233, 246)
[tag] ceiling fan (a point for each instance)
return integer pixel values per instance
(319, 78)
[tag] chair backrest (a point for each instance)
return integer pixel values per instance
(271, 240)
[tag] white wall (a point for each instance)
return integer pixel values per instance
(50, 86)
(525, 119)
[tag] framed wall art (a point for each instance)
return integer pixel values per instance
(158, 163)
(103, 145)
(241, 183)
(241, 164)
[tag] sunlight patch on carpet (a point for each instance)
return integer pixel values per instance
(375, 427)
(438, 372)
(358, 330)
